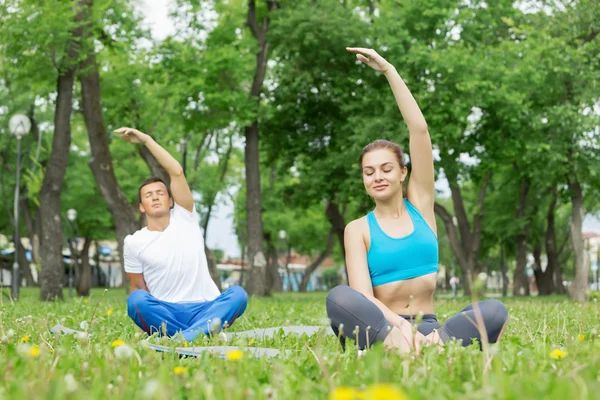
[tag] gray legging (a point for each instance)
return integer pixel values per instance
(347, 307)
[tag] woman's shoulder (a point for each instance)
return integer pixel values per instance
(357, 226)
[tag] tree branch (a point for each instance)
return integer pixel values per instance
(251, 19)
(451, 231)
(476, 234)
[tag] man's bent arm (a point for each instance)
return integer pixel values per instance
(179, 186)
(137, 282)
(182, 194)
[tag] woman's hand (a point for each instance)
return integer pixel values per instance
(371, 58)
(132, 135)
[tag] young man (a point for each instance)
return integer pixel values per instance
(171, 288)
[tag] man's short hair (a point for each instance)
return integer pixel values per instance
(149, 181)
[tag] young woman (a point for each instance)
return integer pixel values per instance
(392, 253)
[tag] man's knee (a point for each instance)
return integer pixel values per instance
(138, 299)
(238, 294)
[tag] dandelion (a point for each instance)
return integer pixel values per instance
(117, 343)
(344, 393)
(151, 388)
(234, 355)
(82, 336)
(4, 339)
(580, 338)
(558, 354)
(86, 300)
(71, 383)
(24, 339)
(34, 352)
(384, 392)
(84, 325)
(10, 333)
(251, 342)
(109, 312)
(180, 370)
(123, 352)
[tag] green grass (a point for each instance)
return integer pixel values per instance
(520, 367)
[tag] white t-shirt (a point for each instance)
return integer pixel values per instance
(173, 262)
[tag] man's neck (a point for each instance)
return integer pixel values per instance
(158, 224)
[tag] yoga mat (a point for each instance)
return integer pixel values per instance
(299, 330)
(259, 333)
(220, 351)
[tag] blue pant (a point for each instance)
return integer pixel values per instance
(191, 319)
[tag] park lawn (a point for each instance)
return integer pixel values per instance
(522, 366)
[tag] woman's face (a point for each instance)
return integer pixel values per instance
(382, 174)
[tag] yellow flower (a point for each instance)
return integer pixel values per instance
(558, 354)
(25, 339)
(384, 392)
(344, 393)
(251, 342)
(580, 338)
(34, 352)
(86, 300)
(234, 355)
(117, 343)
(109, 312)
(180, 370)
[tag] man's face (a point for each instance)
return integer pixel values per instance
(155, 200)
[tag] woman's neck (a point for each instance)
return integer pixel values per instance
(393, 207)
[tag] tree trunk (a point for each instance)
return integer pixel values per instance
(503, 270)
(155, 168)
(242, 274)
(257, 262)
(545, 280)
(83, 281)
(29, 219)
(212, 267)
(312, 267)
(579, 287)
(520, 280)
(53, 270)
(287, 269)
(466, 246)
(25, 266)
(274, 283)
(336, 219)
(122, 212)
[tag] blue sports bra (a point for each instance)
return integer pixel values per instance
(394, 259)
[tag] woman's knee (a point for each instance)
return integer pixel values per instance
(343, 296)
(494, 311)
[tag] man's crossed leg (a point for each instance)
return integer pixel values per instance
(191, 319)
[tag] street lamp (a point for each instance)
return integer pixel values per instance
(72, 216)
(19, 125)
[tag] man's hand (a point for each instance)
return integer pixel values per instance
(133, 135)
(371, 58)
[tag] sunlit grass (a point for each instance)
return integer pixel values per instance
(550, 349)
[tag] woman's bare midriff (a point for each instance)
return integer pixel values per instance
(408, 297)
